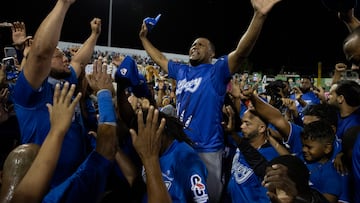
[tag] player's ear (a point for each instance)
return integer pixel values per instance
(328, 148)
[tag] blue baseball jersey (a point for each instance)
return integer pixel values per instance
(309, 97)
(347, 122)
(200, 94)
(184, 173)
(87, 184)
(294, 142)
(323, 176)
(34, 122)
(244, 185)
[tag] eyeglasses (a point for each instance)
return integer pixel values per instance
(59, 55)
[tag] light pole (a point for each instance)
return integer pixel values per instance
(110, 23)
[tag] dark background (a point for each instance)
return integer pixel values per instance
(297, 35)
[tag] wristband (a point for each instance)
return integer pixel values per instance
(106, 107)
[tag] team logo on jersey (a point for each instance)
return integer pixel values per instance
(198, 188)
(123, 71)
(188, 86)
(166, 177)
(240, 171)
(167, 184)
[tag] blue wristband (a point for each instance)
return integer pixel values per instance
(106, 107)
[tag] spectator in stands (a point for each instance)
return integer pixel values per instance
(202, 86)
(34, 88)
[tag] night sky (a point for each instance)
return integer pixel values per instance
(296, 36)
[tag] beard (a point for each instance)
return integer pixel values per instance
(60, 74)
(251, 135)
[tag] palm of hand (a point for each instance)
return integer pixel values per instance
(19, 37)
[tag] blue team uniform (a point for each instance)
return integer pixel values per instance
(323, 176)
(244, 185)
(347, 122)
(87, 184)
(33, 116)
(184, 173)
(309, 97)
(200, 94)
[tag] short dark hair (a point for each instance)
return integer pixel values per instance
(323, 111)
(350, 90)
(319, 131)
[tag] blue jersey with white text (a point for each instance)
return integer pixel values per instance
(200, 94)
(244, 185)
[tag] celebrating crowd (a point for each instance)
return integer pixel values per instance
(81, 126)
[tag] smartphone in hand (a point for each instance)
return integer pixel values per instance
(10, 69)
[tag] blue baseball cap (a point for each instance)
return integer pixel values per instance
(127, 72)
(151, 22)
(142, 89)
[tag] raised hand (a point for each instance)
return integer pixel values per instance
(147, 141)
(263, 6)
(96, 25)
(19, 37)
(100, 79)
(280, 187)
(63, 108)
(340, 67)
(144, 31)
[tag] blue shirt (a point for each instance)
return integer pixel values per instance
(323, 176)
(200, 94)
(184, 173)
(347, 122)
(309, 97)
(34, 122)
(244, 185)
(87, 184)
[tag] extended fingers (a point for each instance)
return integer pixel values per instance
(56, 93)
(140, 120)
